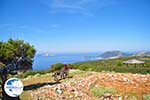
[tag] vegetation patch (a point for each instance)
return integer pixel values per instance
(31, 73)
(100, 90)
(146, 96)
(25, 95)
(57, 66)
(114, 65)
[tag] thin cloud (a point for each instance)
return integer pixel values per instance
(54, 26)
(64, 5)
(21, 29)
(5, 26)
(72, 7)
(84, 7)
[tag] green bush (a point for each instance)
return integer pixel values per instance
(146, 97)
(99, 91)
(71, 66)
(85, 67)
(119, 64)
(56, 66)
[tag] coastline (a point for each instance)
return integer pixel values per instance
(42, 62)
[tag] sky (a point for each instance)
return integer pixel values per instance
(77, 25)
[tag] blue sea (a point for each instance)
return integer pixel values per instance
(43, 62)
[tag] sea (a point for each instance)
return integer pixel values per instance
(44, 61)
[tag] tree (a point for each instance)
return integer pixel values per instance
(15, 55)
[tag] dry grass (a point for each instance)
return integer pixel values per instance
(37, 79)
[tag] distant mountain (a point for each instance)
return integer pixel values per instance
(142, 54)
(113, 54)
(46, 54)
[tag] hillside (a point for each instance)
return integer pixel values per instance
(87, 85)
(142, 54)
(115, 65)
(110, 54)
(117, 54)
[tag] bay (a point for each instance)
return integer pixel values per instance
(44, 61)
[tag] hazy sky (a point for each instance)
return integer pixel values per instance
(77, 25)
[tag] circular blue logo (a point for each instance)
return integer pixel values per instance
(13, 87)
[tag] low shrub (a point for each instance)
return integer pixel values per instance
(71, 66)
(56, 66)
(100, 90)
(146, 96)
(85, 67)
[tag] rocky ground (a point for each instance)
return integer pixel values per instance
(93, 86)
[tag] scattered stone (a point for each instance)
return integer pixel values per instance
(59, 90)
(107, 95)
(125, 79)
(78, 88)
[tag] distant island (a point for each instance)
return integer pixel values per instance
(142, 54)
(46, 54)
(113, 54)
(117, 54)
